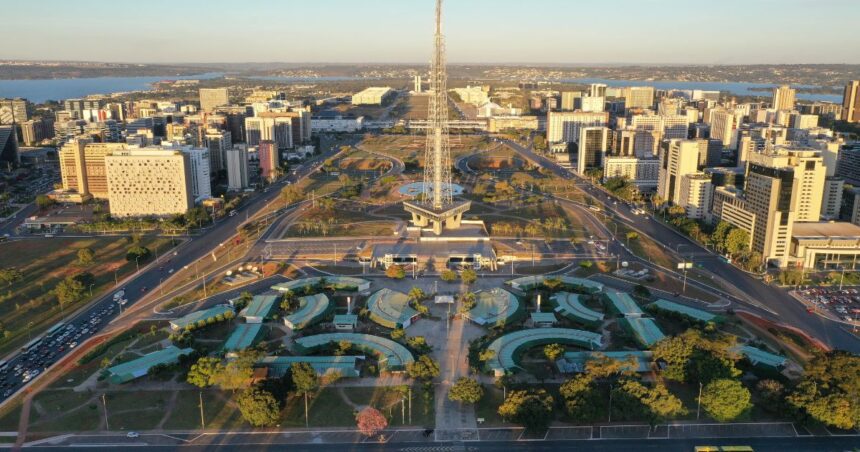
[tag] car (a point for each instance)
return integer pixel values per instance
(73, 345)
(7, 393)
(132, 435)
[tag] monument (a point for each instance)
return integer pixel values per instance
(436, 206)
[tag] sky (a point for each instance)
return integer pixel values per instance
(400, 31)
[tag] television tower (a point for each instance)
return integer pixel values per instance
(437, 206)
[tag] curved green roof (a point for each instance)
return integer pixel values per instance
(507, 347)
(311, 310)
(494, 307)
(391, 355)
(529, 282)
(337, 282)
(569, 305)
(693, 313)
(390, 308)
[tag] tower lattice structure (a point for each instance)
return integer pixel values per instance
(437, 152)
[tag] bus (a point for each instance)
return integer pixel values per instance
(55, 329)
(32, 345)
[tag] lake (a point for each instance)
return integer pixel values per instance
(57, 89)
(738, 88)
(70, 88)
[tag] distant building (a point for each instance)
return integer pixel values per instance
(597, 90)
(337, 124)
(851, 102)
(677, 159)
(784, 97)
(638, 97)
(498, 123)
(592, 103)
(144, 182)
(278, 130)
(270, 161)
(373, 96)
(82, 166)
(475, 95)
(641, 172)
(593, 145)
(565, 127)
(416, 82)
(568, 100)
(16, 110)
(237, 168)
(9, 145)
(217, 141)
(848, 165)
(210, 98)
(36, 130)
(695, 195)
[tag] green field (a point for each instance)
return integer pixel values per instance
(44, 263)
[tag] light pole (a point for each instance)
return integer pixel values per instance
(842, 277)
(699, 402)
(104, 402)
(137, 263)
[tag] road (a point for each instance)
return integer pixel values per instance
(100, 313)
(275, 441)
(785, 309)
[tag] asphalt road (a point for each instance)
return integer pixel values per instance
(269, 442)
(786, 309)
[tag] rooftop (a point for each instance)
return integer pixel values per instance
(346, 366)
(646, 331)
(260, 306)
(243, 336)
(824, 229)
(758, 356)
(495, 307)
(392, 356)
(311, 309)
(390, 308)
(574, 362)
(693, 313)
(509, 346)
(139, 367)
(569, 305)
(204, 314)
(623, 303)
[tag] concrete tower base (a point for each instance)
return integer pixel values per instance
(441, 219)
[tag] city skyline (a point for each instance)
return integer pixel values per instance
(479, 32)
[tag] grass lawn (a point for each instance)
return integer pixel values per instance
(136, 410)
(366, 228)
(487, 407)
(44, 263)
(10, 418)
(63, 411)
(217, 411)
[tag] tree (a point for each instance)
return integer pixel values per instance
(552, 284)
(532, 409)
(829, 390)
(416, 294)
(486, 355)
(395, 272)
(370, 421)
(306, 381)
(397, 334)
(85, 256)
(203, 373)
(424, 368)
(70, 290)
(581, 400)
(675, 353)
(448, 276)
(259, 407)
(137, 253)
(553, 352)
(468, 276)
(290, 194)
(632, 236)
(659, 403)
(737, 241)
(725, 400)
(641, 291)
(236, 374)
(466, 390)
(197, 216)
(721, 231)
(10, 275)
(43, 202)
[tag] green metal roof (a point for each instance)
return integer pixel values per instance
(693, 313)
(507, 347)
(529, 282)
(243, 336)
(311, 310)
(139, 367)
(646, 331)
(758, 356)
(391, 355)
(278, 366)
(204, 314)
(494, 307)
(390, 308)
(543, 317)
(569, 305)
(345, 319)
(623, 304)
(338, 282)
(260, 306)
(574, 362)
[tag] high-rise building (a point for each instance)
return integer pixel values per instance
(375, 95)
(82, 166)
(269, 157)
(851, 102)
(592, 103)
(217, 141)
(416, 82)
(710, 152)
(235, 121)
(783, 97)
(597, 90)
(210, 98)
(802, 121)
(237, 167)
(695, 194)
(593, 145)
(564, 127)
(724, 128)
(677, 159)
(641, 172)
(277, 129)
(143, 182)
(568, 100)
(781, 187)
(622, 143)
(9, 145)
(198, 170)
(638, 97)
(86, 109)
(16, 110)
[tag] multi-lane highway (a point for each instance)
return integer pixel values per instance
(783, 307)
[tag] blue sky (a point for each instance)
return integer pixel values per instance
(399, 31)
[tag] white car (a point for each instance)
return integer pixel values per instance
(132, 435)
